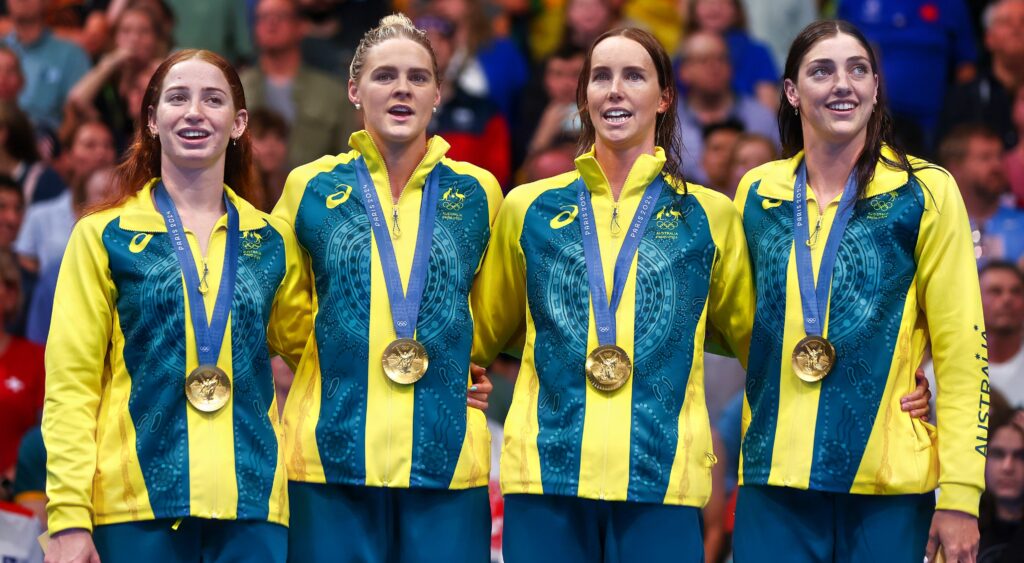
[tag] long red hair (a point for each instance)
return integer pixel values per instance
(142, 162)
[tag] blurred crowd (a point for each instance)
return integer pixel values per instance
(72, 75)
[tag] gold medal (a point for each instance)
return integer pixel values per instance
(813, 358)
(207, 388)
(608, 367)
(405, 361)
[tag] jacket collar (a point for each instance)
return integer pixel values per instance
(644, 171)
(140, 213)
(780, 175)
(362, 142)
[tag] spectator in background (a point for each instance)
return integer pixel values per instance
(481, 64)
(708, 99)
(12, 80)
(973, 154)
(1002, 301)
(333, 29)
(19, 157)
(88, 147)
(270, 150)
(753, 69)
(1001, 517)
(777, 23)
(571, 24)
(12, 210)
(719, 139)
(221, 26)
(51, 66)
(48, 225)
(548, 162)
(311, 102)
(92, 190)
(30, 474)
(141, 40)
(917, 41)
(750, 151)
(988, 98)
(1014, 160)
(471, 123)
(21, 372)
(549, 114)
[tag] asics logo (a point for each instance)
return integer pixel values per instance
(568, 215)
(139, 242)
(338, 198)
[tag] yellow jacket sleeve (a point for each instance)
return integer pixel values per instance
(731, 296)
(76, 359)
(498, 298)
(949, 294)
(291, 318)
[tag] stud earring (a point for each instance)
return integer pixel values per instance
(796, 111)
(435, 109)
(359, 106)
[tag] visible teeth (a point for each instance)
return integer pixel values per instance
(193, 134)
(401, 110)
(617, 115)
(841, 106)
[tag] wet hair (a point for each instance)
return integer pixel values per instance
(666, 134)
(880, 124)
(21, 139)
(395, 26)
(142, 161)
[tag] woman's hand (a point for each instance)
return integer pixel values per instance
(918, 403)
(477, 394)
(71, 546)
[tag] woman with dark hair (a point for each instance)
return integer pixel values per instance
(862, 256)
(1001, 517)
(381, 442)
(608, 449)
(160, 419)
(19, 157)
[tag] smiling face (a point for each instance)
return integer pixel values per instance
(194, 116)
(836, 90)
(623, 95)
(397, 90)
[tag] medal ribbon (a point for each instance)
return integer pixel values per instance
(209, 336)
(405, 306)
(814, 297)
(604, 309)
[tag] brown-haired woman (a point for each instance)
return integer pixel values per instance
(160, 420)
(863, 256)
(140, 38)
(381, 442)
(608, 449)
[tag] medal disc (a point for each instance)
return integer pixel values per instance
(813, 358)
(207, 388)
(608, 367)
(405, 361)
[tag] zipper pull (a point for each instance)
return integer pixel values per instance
(203, 286)
(616, 229)
(395, 230)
